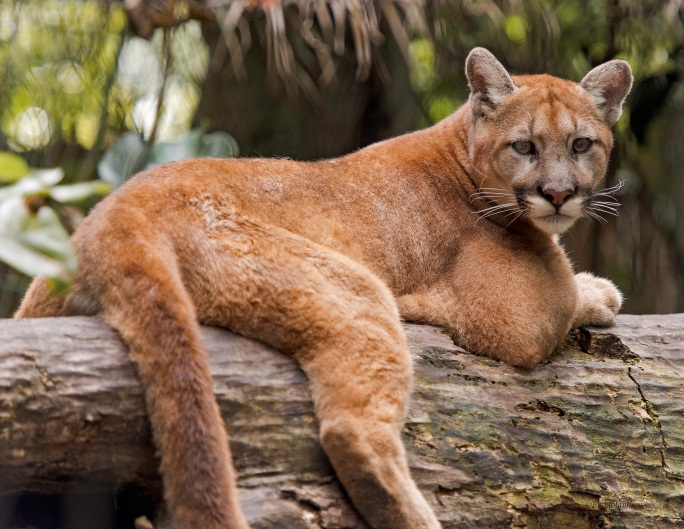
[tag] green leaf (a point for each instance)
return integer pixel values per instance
(44, 233)
(12, 167)
(123, 159)
(33, 263)
(131, 153)
(36, 243)
(80, 192)
(37, 182)
(219, 144)
(194, 144)
(186, 147)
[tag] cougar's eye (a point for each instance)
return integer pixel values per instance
(523, 147)
(581, 145)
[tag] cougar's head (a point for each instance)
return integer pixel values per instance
(539, 145)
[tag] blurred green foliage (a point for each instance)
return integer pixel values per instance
(79, 92)
(54, 87)
(32, 238)
(72, 75)
(565, 38)
(73, 80)
(131, 153)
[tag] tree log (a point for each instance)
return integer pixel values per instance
(592, 438)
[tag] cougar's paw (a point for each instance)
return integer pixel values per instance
(599, 300)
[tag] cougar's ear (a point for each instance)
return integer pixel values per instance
(608, 85)
(488, 80)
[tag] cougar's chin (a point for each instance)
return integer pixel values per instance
(553, 224)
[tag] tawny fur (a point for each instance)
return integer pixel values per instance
(449, 225)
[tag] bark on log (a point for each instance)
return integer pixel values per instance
(593, 438)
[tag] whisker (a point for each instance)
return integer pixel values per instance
(491, 213)
(603, 206)
(493, 193)
(517, 217)
(498, 206)
(614, 188)
(515, 211)
(610, 191)
(608, 204)
(495, 210)
(480, 172)
(603, 209)
(611, 197)
(491, 198)
(596, 216)
(611, 205)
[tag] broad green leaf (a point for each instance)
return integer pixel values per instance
(80, 192)
(131, 153)
(37, 182)
(12, 211)
(186, 147)
(36, 244)
(12, 167)
(30, 262)
(123, 159)
(219, 144)
(44, 233)
(194, 144)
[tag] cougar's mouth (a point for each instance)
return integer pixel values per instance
(547, 216)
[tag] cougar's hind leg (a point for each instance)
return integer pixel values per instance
(341, 324)
(145, 300)
(360, 402)
(79, 300)
(38, 302)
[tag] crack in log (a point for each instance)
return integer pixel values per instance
(45, 378)
(600, 345)
(540, 405)
(650, 409)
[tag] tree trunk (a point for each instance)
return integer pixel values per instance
(593, 438)
(344, 115)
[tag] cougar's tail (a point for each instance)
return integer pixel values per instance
(147, 302)
(138, 286)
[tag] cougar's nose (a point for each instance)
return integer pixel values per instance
(557, 198)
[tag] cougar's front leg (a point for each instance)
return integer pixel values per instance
(512, 306)
(598, 301)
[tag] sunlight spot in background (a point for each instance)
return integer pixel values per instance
(31, 129)
(70, 76)
(7, 25)
(144, 113)
(139, 69)
(140, 76)
(176, 115)
(86, 129)
(515, 28)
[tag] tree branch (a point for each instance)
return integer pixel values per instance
(594, 436)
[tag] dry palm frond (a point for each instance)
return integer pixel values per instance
(321, 25)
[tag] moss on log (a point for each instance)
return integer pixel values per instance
(593, 438)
